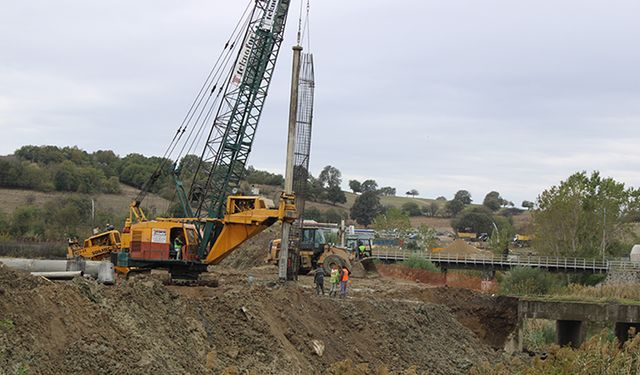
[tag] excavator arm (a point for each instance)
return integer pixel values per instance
(245, 217)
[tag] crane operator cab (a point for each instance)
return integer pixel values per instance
(163, 240)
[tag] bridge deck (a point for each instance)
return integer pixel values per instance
(555, 264)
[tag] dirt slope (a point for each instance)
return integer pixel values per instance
(141, 327)
(253, 252)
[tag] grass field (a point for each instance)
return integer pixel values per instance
(10, 199)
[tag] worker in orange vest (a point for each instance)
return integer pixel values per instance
(343, 282)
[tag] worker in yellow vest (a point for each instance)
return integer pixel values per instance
(177, 247)
(362, 250)
(334, 280)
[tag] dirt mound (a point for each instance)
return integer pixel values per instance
(253, 252)
(249, 326)
(492, 318)
(460, 247)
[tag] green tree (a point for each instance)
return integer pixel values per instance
(413, 192)
(315, 191)
(525, 281)
(454, 207)
(66, 177)
(428, 237)
(366, 208)
(493, 201)
(391, 219)
(431, 209)
(330, 176)
(528, 205)
(254, 176)
(312, 213)
(476, 219)
(501, 234)
(67, 217)
(107, 161)
(5, 224)
(411, 209)
(583, 214)
(355, 186)
(463, 196)
(91, 180)
(369, 185)
(112, 185)
(336, 195)
(387, 191)
(27, 221)
(334, 216)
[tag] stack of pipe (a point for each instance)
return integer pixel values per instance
(63, 269)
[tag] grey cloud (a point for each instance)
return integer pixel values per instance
(432, 95)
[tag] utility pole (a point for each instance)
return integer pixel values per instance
(288, 177)
(604, 231)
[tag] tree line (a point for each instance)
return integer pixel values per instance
(70, 169)
(57, 220)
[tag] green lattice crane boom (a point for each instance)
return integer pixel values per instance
(230, 139)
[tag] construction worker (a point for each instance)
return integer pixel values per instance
(362, 249)
(318, 279)
(344, 280)
(334, 280)
(177, 247)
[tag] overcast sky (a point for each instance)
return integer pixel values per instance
(443, 95)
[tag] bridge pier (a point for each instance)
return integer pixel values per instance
(572, 318)
(570, 332)
(624, 331)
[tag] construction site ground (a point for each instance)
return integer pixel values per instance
(249, 324)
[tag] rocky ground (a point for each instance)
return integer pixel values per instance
(250, 324)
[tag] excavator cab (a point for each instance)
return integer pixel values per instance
(313, 239)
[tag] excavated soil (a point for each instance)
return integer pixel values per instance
(254, 251)
(493, 319)
(249, 325)
(461, 248)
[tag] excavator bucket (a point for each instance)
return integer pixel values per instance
(367, 264)
(357, 270)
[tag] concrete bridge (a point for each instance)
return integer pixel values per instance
(573, 318)
(496, 263)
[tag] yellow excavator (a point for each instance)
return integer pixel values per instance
(147, 243)
(314, 250)
(215, 219)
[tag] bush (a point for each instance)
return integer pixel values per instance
(411, 209)
(419, 263)
(27, 222)
(598, 355)
(538, 334)
(33, 250)
(523, 281)
(606, 292)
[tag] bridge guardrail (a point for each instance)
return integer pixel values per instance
(512, 261)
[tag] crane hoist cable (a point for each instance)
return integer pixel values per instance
(213, 80)
(208, 107)
(177, 136)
